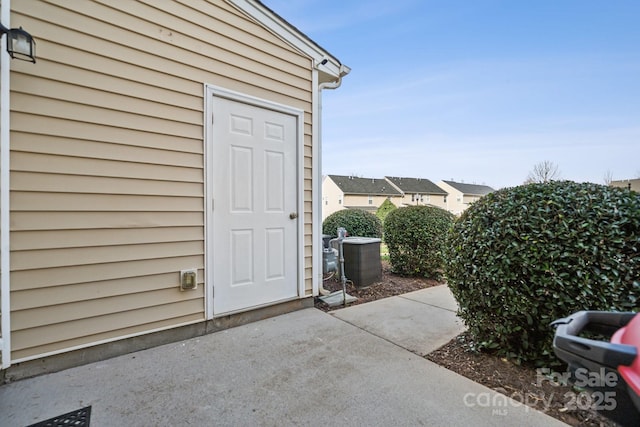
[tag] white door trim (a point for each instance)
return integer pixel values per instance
(211, 91)
(5, 241)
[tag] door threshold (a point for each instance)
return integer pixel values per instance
(255, 307)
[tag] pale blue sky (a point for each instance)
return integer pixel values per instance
(479, 90)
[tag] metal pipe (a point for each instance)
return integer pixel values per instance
(317, 130)
(342, 233)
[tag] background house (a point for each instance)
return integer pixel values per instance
(461, 195)
(350, 192)
(419, 191)
(631, 184)
(149, 144)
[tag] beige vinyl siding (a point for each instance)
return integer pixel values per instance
(107, 165)
(427, 199)
(468, 199)
(332, 198)
(353, 200)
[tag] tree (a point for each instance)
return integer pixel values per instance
(543, 172)
(608, 177)
(384, 209)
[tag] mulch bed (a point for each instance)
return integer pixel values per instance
(390, 285)
(524, 384)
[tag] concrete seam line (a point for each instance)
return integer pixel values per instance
(381, 337)
(426, 303)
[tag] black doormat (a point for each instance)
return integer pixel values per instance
(78, 418)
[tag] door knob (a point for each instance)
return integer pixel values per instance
(293, 215)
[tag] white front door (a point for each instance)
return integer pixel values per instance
(253, 185)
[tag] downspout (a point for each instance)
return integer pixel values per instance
(5, 274)
(318, 190)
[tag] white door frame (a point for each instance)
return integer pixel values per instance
(211, 91)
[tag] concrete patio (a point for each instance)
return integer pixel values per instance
(359, 366)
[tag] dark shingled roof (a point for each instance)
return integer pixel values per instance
(368, 186)
(416, 185)
(471, 189)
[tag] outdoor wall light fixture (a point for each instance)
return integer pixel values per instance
(20, 44)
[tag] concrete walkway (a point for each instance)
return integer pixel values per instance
(420, 321)
(360, 366)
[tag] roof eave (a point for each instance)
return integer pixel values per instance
(332, 68)
(353, 193)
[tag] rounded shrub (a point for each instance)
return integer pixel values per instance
(415, 237)
(357, 223)
(522, 257)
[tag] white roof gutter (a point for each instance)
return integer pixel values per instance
(329, 66)
(343, 71)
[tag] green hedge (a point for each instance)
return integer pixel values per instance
(415, 237)
(357, 223)
(522, 257)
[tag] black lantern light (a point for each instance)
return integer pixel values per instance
(20, 44)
